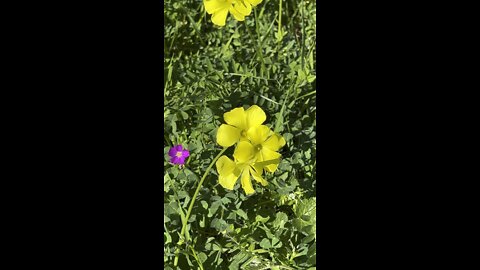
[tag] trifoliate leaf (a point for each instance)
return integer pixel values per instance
(204, 204)
(265, 243)
(242, 213)
(261, 219)
(280, 220)
(213, 208)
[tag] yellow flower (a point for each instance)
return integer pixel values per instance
(243, 167)
(266, 144)
(220, 8)
(239, 122)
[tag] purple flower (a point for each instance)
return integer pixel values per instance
(178, 154)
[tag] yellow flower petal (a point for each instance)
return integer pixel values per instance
(267, 155)
(275, 142)
(258, 135)
(262, 164)
(246, 182)
(271, 168)
(213, 6)
(244, 152)
(225, 166)
(253, 2)
(227, 135)
(237, 118)
(220, 17)
(228, 181)
(258, 168)
(243, 8)
(255, 116)
(237, 15)
(227, 173)
(258, 177)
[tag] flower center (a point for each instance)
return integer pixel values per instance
(178, 154)
(258, 147)
(244, 133)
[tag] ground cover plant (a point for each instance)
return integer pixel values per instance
(227, 204)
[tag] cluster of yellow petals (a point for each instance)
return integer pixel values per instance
(256, 148)
(220, 9)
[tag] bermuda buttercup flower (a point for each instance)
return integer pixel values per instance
(178, 155)
(239, 121)
(243, 167)
(266, 143)
(220, 9)
(256, 148)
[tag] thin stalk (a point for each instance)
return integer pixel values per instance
(197, 259)
(280, 33)
(259, 48)
(198, 190)
(184, 237)
(303, 34)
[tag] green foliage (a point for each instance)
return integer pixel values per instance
(268, 60)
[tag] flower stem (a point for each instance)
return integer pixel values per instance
(184, 233)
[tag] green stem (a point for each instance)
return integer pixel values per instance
(303, 34)
(196, 258)
(279, 34)
(259, 45)
(190, 207)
